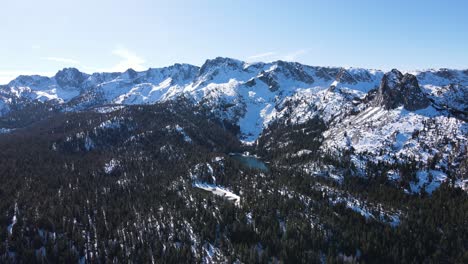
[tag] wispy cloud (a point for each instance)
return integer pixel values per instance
(294, 55)
(273, 56)
(128, 59)
(35, 47)
(61, 60)
(261, 55)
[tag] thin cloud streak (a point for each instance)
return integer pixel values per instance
(127, 59)
(273, 56)
(261, 55)
(294, 55)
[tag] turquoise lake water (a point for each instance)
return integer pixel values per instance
(251, 162)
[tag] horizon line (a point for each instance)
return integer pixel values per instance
(52, 74)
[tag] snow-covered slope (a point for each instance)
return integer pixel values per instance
(447, 88)
(420, 114)
(248, 94)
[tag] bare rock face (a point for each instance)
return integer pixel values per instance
(413, 97)
(397, 89)
(285, 70)
(71, 77)
(345, 77)
(270, 79)
(294, 71)
(218, 63)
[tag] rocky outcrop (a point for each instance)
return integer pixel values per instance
(220, 62)
(283, 70)
(397, 90)
(345, 77)
(269, 78)
(294, 70)
(130, 74)
(70, 77)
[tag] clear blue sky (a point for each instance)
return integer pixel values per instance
(99, 35)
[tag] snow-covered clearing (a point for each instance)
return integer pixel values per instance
(218, 190)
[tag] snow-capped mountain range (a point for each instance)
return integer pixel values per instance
(386, 115)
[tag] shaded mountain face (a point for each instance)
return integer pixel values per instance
(345, 77)
(70, 77)
(397, 90)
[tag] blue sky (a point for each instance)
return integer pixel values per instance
(103, 35)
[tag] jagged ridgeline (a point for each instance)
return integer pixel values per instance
(235, 162)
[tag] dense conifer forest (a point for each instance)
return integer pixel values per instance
(121, 187)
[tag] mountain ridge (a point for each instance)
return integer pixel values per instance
(465, 70)
(355, 104)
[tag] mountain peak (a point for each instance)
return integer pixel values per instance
(70, 77)
(130, 73)
(293, 70)
(68, 71)
(221, 62)
(397, 89)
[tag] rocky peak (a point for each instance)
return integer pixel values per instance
(397, 89)
(414, 98)
(392, 78)
(294, 70)
(71, 77)
(183, 72)
(130, 74)
(220, 62)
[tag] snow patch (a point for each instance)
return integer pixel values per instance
(111, 165)
(218, 190)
